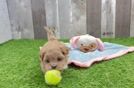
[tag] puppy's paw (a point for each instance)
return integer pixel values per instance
(66, 66)
(40, 47)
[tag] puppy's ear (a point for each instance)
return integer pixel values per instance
(42, 54)
(64, 50)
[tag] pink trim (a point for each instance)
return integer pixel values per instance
(89, 63)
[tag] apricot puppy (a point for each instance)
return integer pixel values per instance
(53, 54)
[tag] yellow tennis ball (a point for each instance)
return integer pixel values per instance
(53, 77)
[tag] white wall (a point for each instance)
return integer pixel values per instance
(5, 30)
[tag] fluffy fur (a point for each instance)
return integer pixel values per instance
(54, 54)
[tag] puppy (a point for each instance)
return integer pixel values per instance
(54, 54)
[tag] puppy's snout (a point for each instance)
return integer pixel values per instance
(54, 67)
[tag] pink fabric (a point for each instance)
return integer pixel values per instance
(88, 64)
(73, 41)
(100, 44)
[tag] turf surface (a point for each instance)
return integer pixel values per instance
(19, 68)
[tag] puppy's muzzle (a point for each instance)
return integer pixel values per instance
(53, 66)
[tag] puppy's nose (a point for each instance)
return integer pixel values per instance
(54, 67)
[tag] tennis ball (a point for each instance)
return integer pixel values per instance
(52, 77)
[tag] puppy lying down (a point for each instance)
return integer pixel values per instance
(53, 54)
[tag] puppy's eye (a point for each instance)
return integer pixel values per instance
(59, 59)
(47, 61)
(81, 44)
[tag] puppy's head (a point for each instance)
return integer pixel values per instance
(54, 59)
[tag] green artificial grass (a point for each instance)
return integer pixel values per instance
(20, 68)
